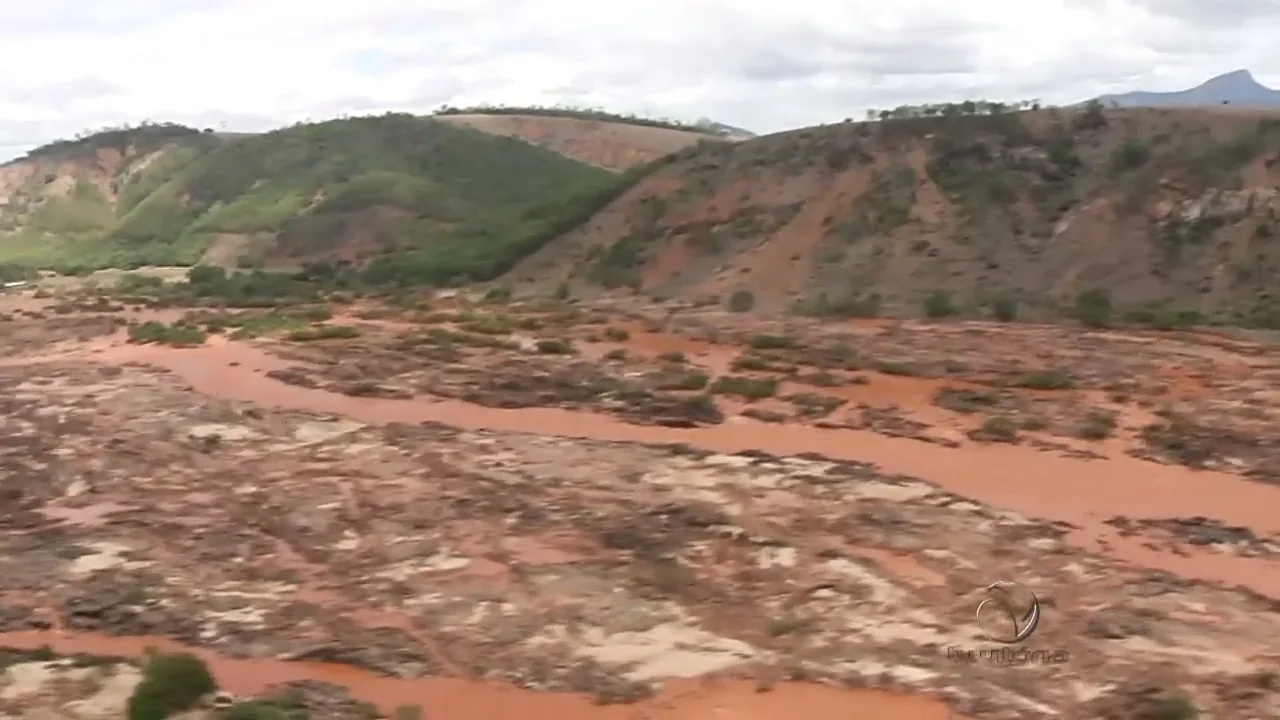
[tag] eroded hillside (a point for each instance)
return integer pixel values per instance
(432, 195)
(61, 200)
(1165, 210)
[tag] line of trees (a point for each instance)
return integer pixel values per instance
(957, 109)
(580, 113)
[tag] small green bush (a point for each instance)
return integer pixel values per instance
(939, 305)
(323, 332)
(1005, 310)
(553, 347)
(742, 301)
(1093, 308)
(745, 387)
(177, 335)
(170, 684)
(773, 342)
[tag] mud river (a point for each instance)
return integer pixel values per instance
(1084, 494)
(690, 700)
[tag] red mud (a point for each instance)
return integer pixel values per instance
(1082, 492)
(466, 699)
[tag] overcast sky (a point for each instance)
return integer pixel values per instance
(766, 65)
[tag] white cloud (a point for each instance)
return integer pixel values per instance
(766, 65)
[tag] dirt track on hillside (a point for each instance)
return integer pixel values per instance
(615, 146)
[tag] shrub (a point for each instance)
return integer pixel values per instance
(1045, 380)
(1093, 308)
(498, 294)
(773, 342)
(177, 335)
(938, 305)
(742, 301)
(323, 332)
(1097, 425)
(407, 712)
(553, 347)
(745, 387)
(1005, 310)
(997, 429)
(170, 684)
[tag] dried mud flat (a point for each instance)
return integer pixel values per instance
(465, 520)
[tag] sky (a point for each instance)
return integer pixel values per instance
(766, 65)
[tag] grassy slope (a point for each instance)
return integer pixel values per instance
(1173, 209)
(449, 201)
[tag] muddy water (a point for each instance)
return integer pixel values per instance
(480, 700)
(1082, 492)
(1039, 484)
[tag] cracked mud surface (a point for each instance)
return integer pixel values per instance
(516, 533)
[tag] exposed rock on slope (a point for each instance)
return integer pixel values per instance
(1157, 207)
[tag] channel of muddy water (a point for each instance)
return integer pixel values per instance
(467, 699)
(1084, 493)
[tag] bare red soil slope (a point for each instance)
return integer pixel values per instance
(1161, 208)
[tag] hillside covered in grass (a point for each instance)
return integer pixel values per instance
(432, 199)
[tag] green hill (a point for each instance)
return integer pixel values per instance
(442, 201)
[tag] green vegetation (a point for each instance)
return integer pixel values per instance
(1093, 308)
(436, 203)
(1005, 309)
(741, 301)
(578, 113)
(683, 381)
(1174, 707)
(176, 335)
(745, 387)
(997, 429)
(553, 346)
(143, 137)
(773, 342)
(966, 401)
(1158, 318)
(949, 110)
(170, 684)
(939, 305)
(1053, 379)
(1097, 425)
(323, 332)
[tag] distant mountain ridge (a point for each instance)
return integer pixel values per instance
(1237, 89)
